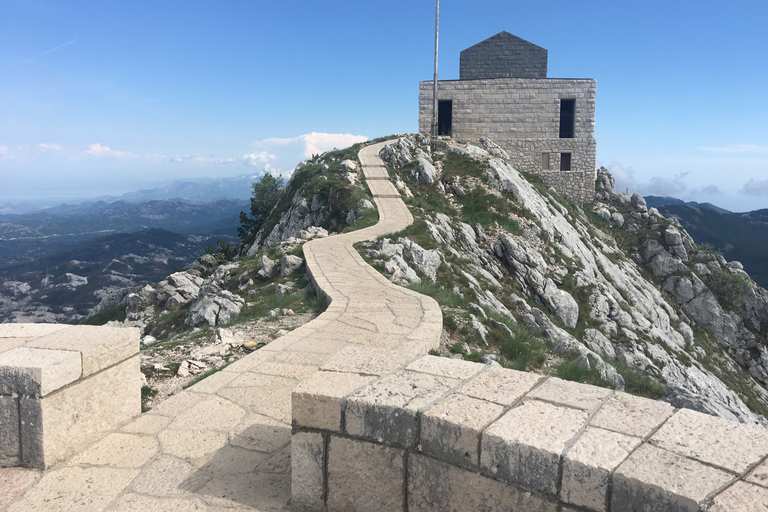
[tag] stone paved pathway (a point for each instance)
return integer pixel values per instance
(224, 444)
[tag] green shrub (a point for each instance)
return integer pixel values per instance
(730, 289)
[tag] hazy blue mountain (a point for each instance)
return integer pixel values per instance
(739, 236)
(656, 201)
(31, 236)
(197, 191)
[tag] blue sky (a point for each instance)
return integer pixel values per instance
(107, 97)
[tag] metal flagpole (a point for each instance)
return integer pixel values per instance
(434, 82)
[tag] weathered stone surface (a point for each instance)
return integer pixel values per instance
(316, 402)
(307, 485)
(118, 450)
(759, 475)
(191, 444)
(524, 446)
(102, 402)
(100, 346)
(450, 429)
(36, 371)
(14, 481)
(632, 415)
(445, 367)
(588, 465)
(572, 394)
(434, 486)
(386, 410)
(741, 497)
(366, 360)
(73, 488)
(259, 432)
(716, 441)
(364, 476)
(164, 476)
(664, 480)
(500, 385)
(9, 432)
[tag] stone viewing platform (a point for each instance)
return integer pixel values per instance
(348, 413)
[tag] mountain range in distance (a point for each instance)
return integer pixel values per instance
(203, 190)
(741, 237)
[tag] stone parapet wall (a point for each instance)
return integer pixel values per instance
(444, 434)
(63, 386)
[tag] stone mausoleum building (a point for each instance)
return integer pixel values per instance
(547, 125)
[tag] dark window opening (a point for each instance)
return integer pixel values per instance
(565, 161)
(567, 118)
(545, 161)
(444, 117)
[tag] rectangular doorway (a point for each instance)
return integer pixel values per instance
(444, 117)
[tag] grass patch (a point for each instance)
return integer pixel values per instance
(441, 295)
(115, 313)
(481, 207)
(569, 370)
(638, 383)
(460, 166)
(147, 392)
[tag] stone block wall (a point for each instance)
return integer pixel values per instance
(445, 434)
(503, 56)
(63, 386)
(523, 117)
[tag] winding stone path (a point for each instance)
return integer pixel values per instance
(224, 444)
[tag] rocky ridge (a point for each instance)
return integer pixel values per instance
(616, 288)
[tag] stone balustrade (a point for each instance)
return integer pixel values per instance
(444, 434)
(63, 386)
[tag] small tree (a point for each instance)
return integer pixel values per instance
(266, 193)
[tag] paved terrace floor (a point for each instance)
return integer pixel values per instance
(224, 444)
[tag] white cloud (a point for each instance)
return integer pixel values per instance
(315, 143)
(260, 158)
(99, 150)
(737, 148)
(49, 147)
(711, 190)
(656, 186)
(757, 188)
(3, 150)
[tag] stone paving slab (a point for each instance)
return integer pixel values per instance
(224, 444)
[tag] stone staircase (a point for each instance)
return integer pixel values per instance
(348, 413)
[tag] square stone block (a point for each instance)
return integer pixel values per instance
(100, 346)
(37, 372)
(364, 476)
(450, 430)
(665, 480)
(524, 446)
(307, 480)
(726, 444)
(317, 401)
(632, 415)
(54, 427)
(435, 486)
(500, 385)
(588, 465)
(386, 410)
(572, 394)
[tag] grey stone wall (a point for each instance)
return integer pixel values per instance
(503, 56)
(523, 117)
